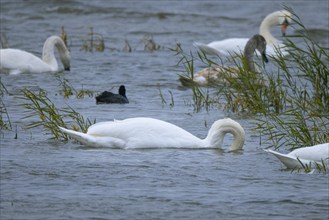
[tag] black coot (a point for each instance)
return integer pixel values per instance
(109, 97)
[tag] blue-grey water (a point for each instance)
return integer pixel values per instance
(42, 178)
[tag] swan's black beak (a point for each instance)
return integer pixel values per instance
(264, 57)
(284, 26)
(67, 68)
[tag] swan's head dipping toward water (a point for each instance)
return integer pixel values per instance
(220, 128)
(48, 52)
(65, 58)
(257, 42)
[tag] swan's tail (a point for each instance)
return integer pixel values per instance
(186, 81)
(94, 141)
(205, 48)
(79, 136)
(289, 161)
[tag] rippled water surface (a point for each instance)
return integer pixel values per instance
(46, 179)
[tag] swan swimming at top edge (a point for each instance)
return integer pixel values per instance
(16, 61)
(142, 132)
(231, 46)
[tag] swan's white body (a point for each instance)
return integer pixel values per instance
(233, 46)
(17, 61)
(135, 133)
(307, 156)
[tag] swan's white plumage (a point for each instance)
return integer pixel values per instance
(225, 47)
(233, 46)
(306, 155)
(153, 133)
(17, 61)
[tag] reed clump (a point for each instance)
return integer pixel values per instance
(50, 117)
(68, 90)
(93, 41)
(290, 105)
(163, 100)
(312, 167)
(4, 116)
(201, 97)
(304, 72)
(63, 36)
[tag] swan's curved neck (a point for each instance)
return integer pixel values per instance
(249, 54)
(264, 29)
(48, 55)
(218, 131)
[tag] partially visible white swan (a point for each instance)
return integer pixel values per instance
(306, 156)
(17, 61)
(232, 46)
(216, 73)
(142, 132)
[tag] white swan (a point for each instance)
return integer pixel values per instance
(142, 132)
(231, 46)
(17, 61)
(306, 156)
(215, 73)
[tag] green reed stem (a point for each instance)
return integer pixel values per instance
(50, 117)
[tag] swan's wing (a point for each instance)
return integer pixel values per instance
(275, 50)
(225, 47)
(289, 161)
(18, 61)
(102, 128)
(206, 49)
(94, 141)
(315, 153)
(230, 46)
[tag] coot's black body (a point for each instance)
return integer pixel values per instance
(110, 98)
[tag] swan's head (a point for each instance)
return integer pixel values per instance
(220, 128)
(65, 57)
(284, 19)
(260, 45)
